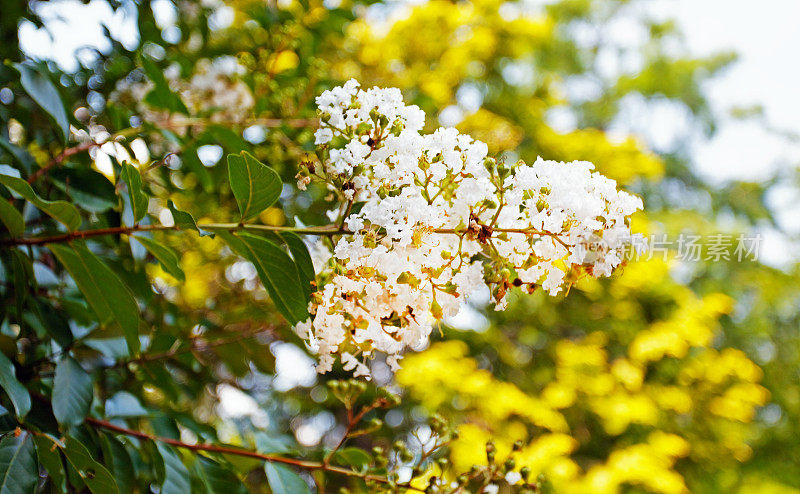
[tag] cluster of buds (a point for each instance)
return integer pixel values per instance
(431, 219)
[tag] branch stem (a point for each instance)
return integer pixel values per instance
(213, 448)
(329, 230)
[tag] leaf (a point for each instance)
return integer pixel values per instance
(39, 86)
(176, 475)
(61, 211)
(22, 156)
(302, 259)
(124, 404)
(18, 469)
(277, 272)
(86, 187)
(107, 295)
(133, 179)
(167, 257)
(185, 221)
(119, 461)
(216, 478)
(50, 458)
(282, 480)
(354, 457)
(72, 392)
(96, 477)
(11, 218)
(255, 185)
(161, 96)
(14, 389)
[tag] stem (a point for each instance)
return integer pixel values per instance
(127, 230)
(61, 158)
(213, 448)
(329, 230)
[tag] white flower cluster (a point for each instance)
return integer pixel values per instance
(433, 219)
(214, 90)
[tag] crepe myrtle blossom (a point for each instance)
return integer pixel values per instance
(432, 219)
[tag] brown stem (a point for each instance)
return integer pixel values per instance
(61, 158)
(213, 448)
(321, 230)
(127, 230)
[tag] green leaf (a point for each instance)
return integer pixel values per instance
(39, 86)
(22, 156)
(119, 461)
(176, 475)
(61, 211)
(86, 187)
(305, 267)
(255, 185)
(133, 179)
(72, 392)
(216, 478)
(282, 480)
(18, 469)
(107, 295)
(124, 404)
(11, 218)
(355, 457)
(47, 450)
(277, 272)
(14, 389)
(161, 96)
(96, 477)
(167, 257)
(185, 221)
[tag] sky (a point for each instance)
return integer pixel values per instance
(767, 73)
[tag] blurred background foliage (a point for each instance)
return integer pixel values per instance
(670, 377)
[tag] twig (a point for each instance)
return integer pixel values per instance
(213, 448)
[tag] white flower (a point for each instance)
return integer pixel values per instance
(439, 220)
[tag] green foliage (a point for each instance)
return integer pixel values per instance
(282, 480)
(91, 330)
(18, 468)
(255, 185)
(72, 393)
(62, 211)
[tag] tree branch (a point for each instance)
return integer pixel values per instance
(213, 448)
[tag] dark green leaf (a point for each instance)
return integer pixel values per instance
(277, 272)
(72, 392)
(39, 86)
(124, 404)
(107, 295)
(11, 218)
(50, 458)
(185, 221)
(167, 257)
(22, 156)
(161, 96)
(119, 461)
(355, 457)
(14, 389)
(96, 477)
(305, 267)
(18, 469)
(282, 480)
(86, 187)
(54, 322)
(176, 475)
(61, 211)
(255, 185)
(217, 479)
(133, 179)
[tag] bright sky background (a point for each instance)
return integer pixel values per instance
(766, 36)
